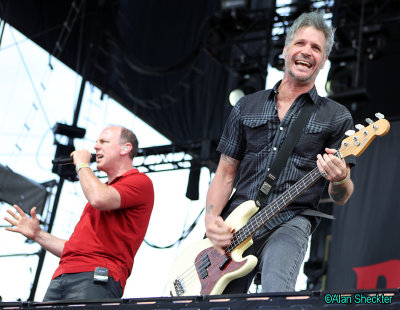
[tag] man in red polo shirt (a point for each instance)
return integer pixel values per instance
(98, 257)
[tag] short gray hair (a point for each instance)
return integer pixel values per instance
(316, 20)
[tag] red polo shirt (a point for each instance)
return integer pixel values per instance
(111, 238)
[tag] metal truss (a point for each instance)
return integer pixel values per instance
(162, 158)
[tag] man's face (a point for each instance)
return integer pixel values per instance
(304, 57)
(108, 147)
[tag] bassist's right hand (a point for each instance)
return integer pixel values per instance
(218, 232)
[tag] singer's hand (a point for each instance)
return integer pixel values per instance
(21, 223)
(81, 157)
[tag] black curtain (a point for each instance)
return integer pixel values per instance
(364, 251)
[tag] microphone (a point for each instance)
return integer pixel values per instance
(69, 160)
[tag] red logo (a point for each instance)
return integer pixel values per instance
(367, 276)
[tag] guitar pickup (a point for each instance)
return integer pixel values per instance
(225, 263)
(204, 264)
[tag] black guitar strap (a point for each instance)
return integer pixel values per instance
(286, 149)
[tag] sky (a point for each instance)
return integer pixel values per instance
(34, 98)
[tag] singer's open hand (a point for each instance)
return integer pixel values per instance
(81, 157)
(29, 227)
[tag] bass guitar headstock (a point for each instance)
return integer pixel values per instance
(358, 141)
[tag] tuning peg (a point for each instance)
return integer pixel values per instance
(360, 127)
(379, 115)
(369, 121)
(349, 132)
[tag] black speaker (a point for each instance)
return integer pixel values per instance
(17, 189)
(192, 191)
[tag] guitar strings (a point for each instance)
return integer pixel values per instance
(244, 232)
(239, 238)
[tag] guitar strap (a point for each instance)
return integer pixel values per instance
(286, 149)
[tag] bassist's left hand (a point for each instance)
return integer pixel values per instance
(334, 167)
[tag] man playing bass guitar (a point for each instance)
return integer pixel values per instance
(253, 135)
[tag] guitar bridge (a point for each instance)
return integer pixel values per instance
(179, 287)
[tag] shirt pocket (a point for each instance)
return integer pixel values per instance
(256, 132)
(312, 141)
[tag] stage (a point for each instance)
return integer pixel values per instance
(361, 299)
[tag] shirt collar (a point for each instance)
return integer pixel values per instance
(312, 93)
(129, 172)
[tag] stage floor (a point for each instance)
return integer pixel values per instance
(360, 299)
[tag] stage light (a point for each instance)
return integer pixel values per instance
(235, 95)
(64, 150)
(248, 84)
(69, 131)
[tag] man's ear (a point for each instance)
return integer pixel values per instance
(323, 63)
(126, 148)
(284, 52)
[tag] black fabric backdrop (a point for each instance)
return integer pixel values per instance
(364, 252)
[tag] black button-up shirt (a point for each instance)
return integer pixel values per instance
(254, 134)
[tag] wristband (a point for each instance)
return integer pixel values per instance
(341, 182)
(79, 166)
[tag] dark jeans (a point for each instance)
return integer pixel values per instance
(76, 286)
(280, 254)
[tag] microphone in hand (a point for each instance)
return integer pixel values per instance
(69, 160)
